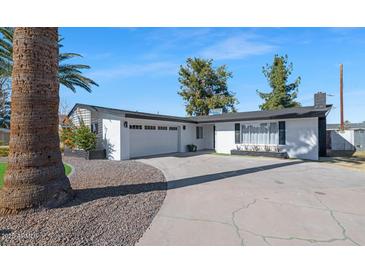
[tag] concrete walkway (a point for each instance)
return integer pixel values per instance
(233, 200)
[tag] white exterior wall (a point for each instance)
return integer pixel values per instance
(111, 138)
(224, 137)
(150, 140)
(301, 137)
(342, 140)
(188, 137)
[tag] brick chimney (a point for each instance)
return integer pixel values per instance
(320, 100)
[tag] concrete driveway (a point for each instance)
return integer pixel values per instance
(233, 200)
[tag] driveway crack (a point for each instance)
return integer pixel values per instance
(195, 219)
(344, 232)
(237, 228)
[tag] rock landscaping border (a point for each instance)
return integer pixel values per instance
(115, 203)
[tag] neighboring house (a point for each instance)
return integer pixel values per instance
(61, 120)
(4, 136)
(301, 132)
(351, 138)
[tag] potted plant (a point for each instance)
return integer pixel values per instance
(192, 148)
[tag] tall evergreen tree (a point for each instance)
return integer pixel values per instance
(283, 95)
(204, 88)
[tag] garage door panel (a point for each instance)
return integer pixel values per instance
(151, 142)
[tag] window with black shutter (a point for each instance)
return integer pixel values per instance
(199, 132)
(237, 133)
(282, 133)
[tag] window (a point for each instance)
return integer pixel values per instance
(273, 134)
(135, 126)
(172, 128)
(162, 128)
(94, 128)
(282, 136)
(237, 133)
(150, 127)
(199, 132)
(258, 134)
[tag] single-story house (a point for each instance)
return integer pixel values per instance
(351, 138)
(301, 131)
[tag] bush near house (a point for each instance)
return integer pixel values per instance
(84, 138)
(4, 151)
(68, 137)
(67, 134)
(78, 137)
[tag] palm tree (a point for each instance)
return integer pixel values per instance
(35, 173)
(70, 75)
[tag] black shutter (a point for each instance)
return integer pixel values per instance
(282, 136)
(237, 138)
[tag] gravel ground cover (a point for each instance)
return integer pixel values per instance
(114, 204)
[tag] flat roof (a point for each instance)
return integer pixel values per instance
(286, 113)
(347, 126)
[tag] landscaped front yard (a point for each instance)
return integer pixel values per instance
(114, 204)
(3, 167)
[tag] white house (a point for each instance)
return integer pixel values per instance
(301, 132)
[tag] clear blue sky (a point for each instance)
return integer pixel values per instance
(137, 68)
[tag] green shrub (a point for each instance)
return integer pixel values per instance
(67, 134)
(4, 151)
(84, 138)
(68, 137)
(192, 148)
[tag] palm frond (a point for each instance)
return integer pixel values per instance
(65, 67)
(8, 33)
(68, 55)
(70, 75)
(72, 80)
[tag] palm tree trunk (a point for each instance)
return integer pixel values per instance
(35, 175)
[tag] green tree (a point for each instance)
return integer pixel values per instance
(204, 88)
(84, 138)
(69, 75)
(283, 95)
(67, 134)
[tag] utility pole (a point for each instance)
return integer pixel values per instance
(342, 122)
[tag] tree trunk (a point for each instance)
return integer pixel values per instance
(35, 175)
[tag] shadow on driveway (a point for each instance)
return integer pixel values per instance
(90, 194)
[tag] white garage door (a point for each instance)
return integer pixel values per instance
(152, 139)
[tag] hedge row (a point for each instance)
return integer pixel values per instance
(4, 151)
